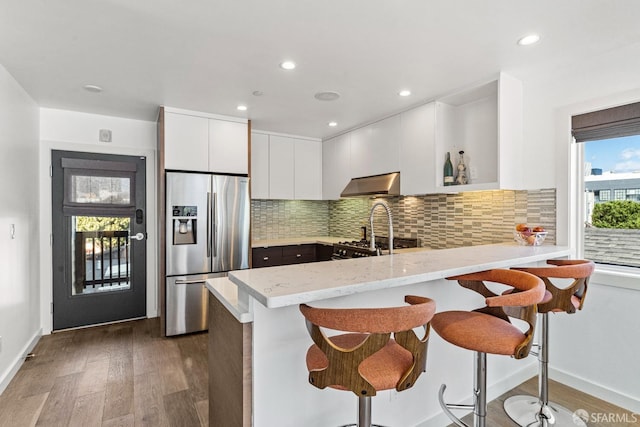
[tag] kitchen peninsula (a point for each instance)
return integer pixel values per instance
(258, 339)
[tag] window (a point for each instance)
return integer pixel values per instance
(612, 201)
(609, 141)
(619, 194)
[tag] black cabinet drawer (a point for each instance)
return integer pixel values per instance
(267, 257)
(291, 254)
(323, 252)
(296, 254)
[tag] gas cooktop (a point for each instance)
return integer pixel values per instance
(362, 248)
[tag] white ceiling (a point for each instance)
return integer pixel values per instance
(211, 55)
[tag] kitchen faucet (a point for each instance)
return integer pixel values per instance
(373, 237)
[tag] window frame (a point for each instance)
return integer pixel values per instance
(605, 274)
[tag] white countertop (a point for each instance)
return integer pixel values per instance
(302, 283)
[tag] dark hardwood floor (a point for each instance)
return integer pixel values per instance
(123, 374)
(126, 374)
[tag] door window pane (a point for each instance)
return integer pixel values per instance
(100, 189)
(100, 252)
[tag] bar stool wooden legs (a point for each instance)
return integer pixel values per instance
(367, 358)
(489, 330)
(538, 411)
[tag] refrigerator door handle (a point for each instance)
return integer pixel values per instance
(208, 225)
(188, 282)
(214, 231)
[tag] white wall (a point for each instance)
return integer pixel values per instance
(596, 349)
(586, 350)
(75, 131)
(19, 282)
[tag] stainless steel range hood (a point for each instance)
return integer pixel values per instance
(386, 184)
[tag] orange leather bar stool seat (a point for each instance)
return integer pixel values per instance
(538, 411)
(489, 329)
(379, 351)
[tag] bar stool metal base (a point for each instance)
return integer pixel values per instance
(526, 411)
(364, 413)
(479, 406)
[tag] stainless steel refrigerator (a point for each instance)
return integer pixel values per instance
(207, 235)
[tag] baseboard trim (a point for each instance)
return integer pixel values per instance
(8, 375)
(601, 392)
(493, 391)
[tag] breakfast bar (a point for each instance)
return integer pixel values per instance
(258, 339)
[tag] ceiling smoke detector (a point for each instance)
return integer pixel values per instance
(326, 96)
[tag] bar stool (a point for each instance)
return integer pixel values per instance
(489, 330)
(367, 359)
(538, 411)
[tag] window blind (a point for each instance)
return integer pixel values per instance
(98, 188)
(613, 122)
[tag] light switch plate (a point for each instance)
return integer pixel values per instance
(105, 135)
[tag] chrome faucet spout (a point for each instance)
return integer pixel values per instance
(389, 219)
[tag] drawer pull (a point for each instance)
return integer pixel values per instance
(265, 258)
(298, 255)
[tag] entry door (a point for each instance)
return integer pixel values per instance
(99, 238)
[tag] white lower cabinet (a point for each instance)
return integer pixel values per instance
(284, 167)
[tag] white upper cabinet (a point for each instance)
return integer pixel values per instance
(385, 141)
(186, 145)
(205, 142)
(417, 148)
(259, 166)
(284, 167)
(361, 154)
(308, 170)
(336, 158)
(281, 167)
(486, 123)
(228, 147)
(374, 148)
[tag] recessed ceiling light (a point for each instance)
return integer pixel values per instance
(404, 92)
(242, 107)
(288, 65)
(333, 124)
(529, 39)
(92, 88)
(327, 96)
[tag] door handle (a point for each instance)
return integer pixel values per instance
(208, 225)
(214, 226)
(189, 282)
(137, 236)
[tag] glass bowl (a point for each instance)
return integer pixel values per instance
(530, 238)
